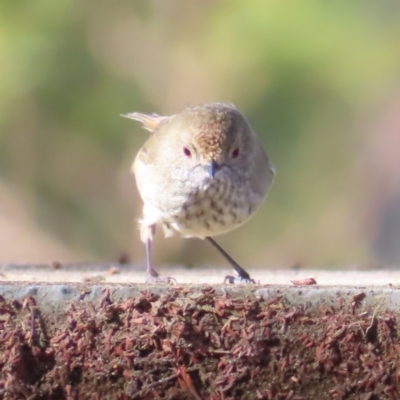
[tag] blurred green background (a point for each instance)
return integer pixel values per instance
(319, 81)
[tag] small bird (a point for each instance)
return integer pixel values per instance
(201, 173)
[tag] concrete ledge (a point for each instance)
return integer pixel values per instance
(134, 273)
(84, 341)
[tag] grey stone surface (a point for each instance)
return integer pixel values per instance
(55, 298)
(135, 273)
(55, 288)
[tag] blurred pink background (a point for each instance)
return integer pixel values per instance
(319, 82)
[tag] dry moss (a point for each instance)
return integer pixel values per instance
(197, 344)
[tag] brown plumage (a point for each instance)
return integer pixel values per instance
(202, 173)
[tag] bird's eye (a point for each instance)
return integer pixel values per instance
(235, 153)
(187, 152)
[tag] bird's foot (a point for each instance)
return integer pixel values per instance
(153, 277)
(239, 279)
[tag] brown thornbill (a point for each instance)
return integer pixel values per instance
(201, 173)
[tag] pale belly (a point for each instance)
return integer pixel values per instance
(211, 210)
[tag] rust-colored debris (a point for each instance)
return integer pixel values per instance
(198, 344)
(304, 282)
(55, 265)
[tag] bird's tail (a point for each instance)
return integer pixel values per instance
(148, 121)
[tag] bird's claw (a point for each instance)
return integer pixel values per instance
(153, 277)
(165, 279)
(240, 279)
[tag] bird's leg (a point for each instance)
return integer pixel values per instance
(150, 271)
(151, 274)
(244, 276)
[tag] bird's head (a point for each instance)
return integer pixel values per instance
(213, 137)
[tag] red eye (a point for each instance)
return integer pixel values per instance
(235, 153)
(187, 152)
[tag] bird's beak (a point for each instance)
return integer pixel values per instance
(213, 167)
